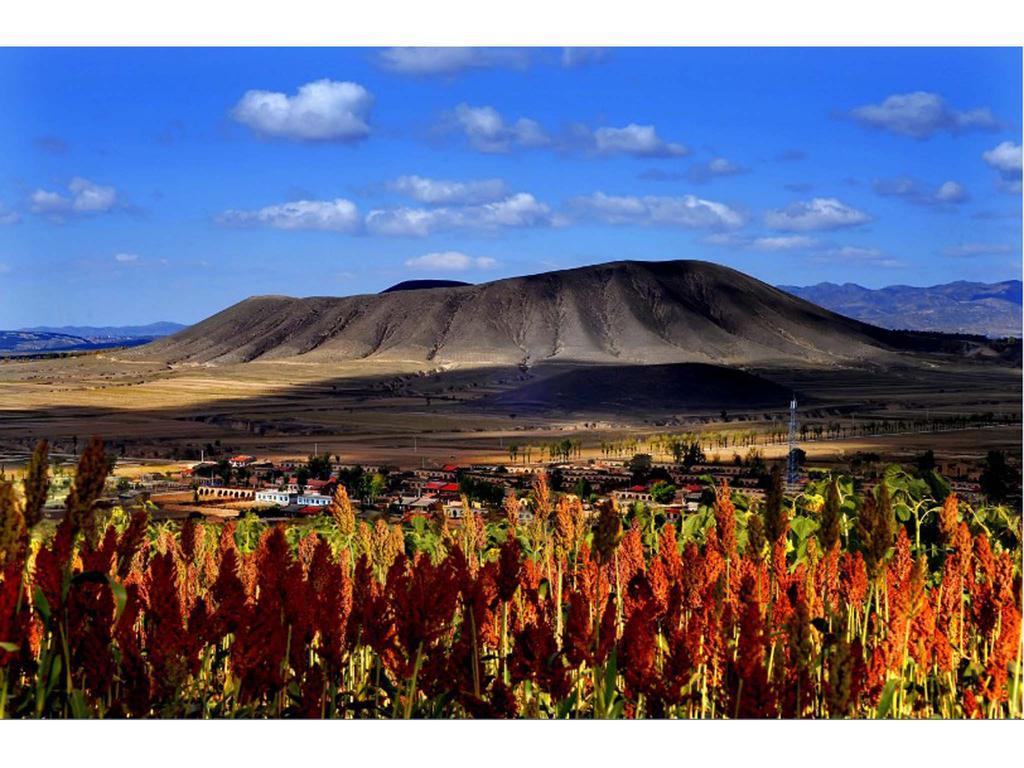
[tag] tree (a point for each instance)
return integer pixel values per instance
(926, 462)
(639, 466)
(373, 486)
(302, 477)
(319, 466)
(999, 480)
(662, 492)
(694, 455)
(676, 446)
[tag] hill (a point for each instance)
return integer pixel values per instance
(626, 312)
(418, 285)
(989, 309)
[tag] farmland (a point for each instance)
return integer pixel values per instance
(842, 600)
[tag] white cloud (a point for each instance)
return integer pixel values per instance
(821, 213)
(126, 258)
(633, 139)
(487, 131)
(90, 198)
(8, 216)
(976, 249)
(42, 201)
(921, 114)
(324, 110)
(451, 261)
(576, 57)
(442, 191)
(784, 243)
(450, 61)
(337, 215)
(714, 168)
(1006, 158)
(516, 211)
(84, 197)
(780, 243)
(914, 191)
(869, 256)
(950, 192)
(689, 211)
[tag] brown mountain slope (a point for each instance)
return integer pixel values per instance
(625, 312)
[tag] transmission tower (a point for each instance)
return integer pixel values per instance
(791, 467)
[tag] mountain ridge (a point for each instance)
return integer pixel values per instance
(623, 312)
(961, 306)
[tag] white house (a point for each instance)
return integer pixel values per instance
(275, 497)
(313, 500)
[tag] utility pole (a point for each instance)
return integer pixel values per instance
(791, 473)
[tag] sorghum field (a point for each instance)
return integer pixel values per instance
(897, 602)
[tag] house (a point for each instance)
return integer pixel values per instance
(456, 510)
(634, 493)
(308, 499)
(324, 487)
(242, 460)
(282, 498)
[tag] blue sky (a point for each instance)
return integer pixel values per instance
(150, 184)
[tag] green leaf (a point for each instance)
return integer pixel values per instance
(803, 527)
(885, 702)
(42, 605)
(611, 672)
(120, 597)
(9, 647)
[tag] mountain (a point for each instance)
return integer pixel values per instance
(114, 332)
(625, 312)
(44, 342)
(988, 309)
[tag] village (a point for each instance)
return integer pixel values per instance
(280, 489)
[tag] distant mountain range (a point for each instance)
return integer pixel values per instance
(987, 309)
(75, 338)
(108, 332)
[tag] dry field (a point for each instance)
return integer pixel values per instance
(374, 412)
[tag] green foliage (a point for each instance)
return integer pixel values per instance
(999, 479)
(319, 467)
(640, 467)
(662, 492)
(481, 490)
